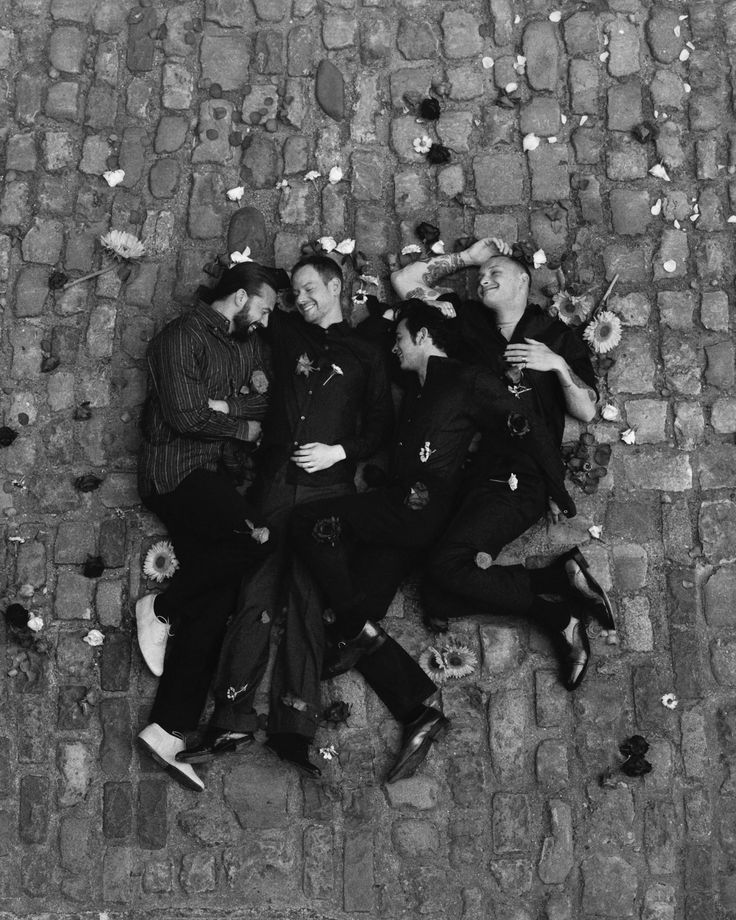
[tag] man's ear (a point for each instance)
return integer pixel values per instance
(241, 297)
(334, 285)
(422, 336)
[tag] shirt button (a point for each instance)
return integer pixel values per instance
(302, 417)
(296, 444)
(401, 443)
(309, 393)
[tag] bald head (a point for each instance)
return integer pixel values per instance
(503, 284)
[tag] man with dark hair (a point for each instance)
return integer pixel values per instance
(330, 406)
(199, 400)
(547, 368)
(359, 548)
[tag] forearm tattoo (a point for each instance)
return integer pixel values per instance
(441, 266)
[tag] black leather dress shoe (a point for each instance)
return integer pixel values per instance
(296, 758)
(436, 624)
(213, 745)
(585, 588)
(418, 738)
(575, 655)
(347, 652)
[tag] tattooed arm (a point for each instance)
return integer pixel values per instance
(421, 279)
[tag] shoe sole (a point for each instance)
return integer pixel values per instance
(175, 774)
(417, 758)
(207, 756)
(607, 621)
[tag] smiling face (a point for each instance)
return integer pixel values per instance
(502, 282)
(409, 352)
(254, 312)
(317, 301)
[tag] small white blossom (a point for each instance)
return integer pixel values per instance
(659, 172)
(656, 208)
(604, 56)
(596, 531)
(312, 175)
(539, 258)
(282, 183)
(335, 175)
(35, 623)
(94, 638)
(530, 142)
(610, 412)
(583, 119)
(552, 140)
(511, 88)
(670, 701)
(555, 16)
(327, 243)
(629, 436)
(438, 248)
(684, 54)
(669, 266)
(244, 256)
(411, 248)
(235, 194)
(426, 452)
(487, 63)
(114, 177)
(422, 144)
(329, 752)
(513, 482)
(345, 247)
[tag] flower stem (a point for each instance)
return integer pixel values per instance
(602, 302)
(101, 271)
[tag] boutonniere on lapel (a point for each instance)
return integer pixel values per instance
(304, 366)
(514, 377)
(335, 371)
(426, 452)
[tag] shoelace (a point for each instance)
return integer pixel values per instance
(167, 633)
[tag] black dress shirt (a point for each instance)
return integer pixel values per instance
(330, 386)
(191, 360)
(439, 419)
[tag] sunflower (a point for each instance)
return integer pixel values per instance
(459, 659)
(604, 332)
(432, 662)
(123, 245)
(160, 562)
(571, 310)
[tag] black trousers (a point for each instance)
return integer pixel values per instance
(488, 518)
(205, 517)
(359, 549)
(281, 590)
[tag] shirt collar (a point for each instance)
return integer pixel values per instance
(212, 318)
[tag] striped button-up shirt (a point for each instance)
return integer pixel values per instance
(191, 360)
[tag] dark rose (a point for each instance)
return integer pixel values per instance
(636, 766)
(438, 155)
(327, 530)
(83, 412)
(464, 242)
(428, 233)
(429, 109)
(16, 615)
(336, 713)
(513, 374)
(93, 567)
(57, 280)
(518, 424)
(636, 745)
(87, 483)
(49, 363)
(7, 436)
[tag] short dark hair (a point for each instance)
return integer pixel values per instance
(325, 267)
(248, 276)
(418, 315)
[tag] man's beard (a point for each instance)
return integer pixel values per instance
(243, 328)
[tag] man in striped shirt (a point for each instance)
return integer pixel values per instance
(200, 400)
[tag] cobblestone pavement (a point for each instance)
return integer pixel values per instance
(508, 818)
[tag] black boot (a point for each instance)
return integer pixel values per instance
(348, 652)
(294, 749)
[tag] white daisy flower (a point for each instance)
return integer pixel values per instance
(160, 562)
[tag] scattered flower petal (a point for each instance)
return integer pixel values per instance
(345, 247)
(335, 175)
(370, 279)
(235, 194)
(555, 16)
(552, 140)
(238, 257)
(35, 623)
(659, 172)
(670, 265)
(563, 118)
(670, 701)
(604, 56)
(530, 142)
(282, 184)
(160, 562)
(684, 54)
(94, 638)
(327, 243)
(677, 31)
(629, 436)
(610, 412)
(410, 249)
(438, 248)
(513, 482)
(731, 219)
(596, 531)
(312, 175)
(329, 752)
(656, 207)
(583, 119)
(517, 19)
(539, 258)
(487, 63)
(114, 177)
(511, 88)
(687, 87)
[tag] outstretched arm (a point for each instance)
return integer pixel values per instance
(421, 279)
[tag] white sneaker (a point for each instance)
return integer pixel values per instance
(153, 634)
(164, 747)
